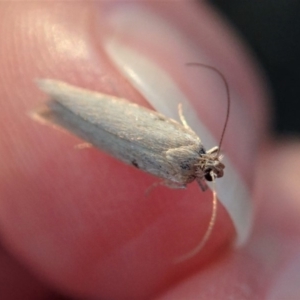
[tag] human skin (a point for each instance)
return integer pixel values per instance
(77, 222)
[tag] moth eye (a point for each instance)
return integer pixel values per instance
(216, 173)
(208, 176)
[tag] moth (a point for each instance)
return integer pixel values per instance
(133, 134)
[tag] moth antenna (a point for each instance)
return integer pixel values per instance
(208, 232)
(213, 216)
(227, 94)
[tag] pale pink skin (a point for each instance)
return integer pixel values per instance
(73, 218)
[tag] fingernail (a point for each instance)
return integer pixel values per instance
(152, 54)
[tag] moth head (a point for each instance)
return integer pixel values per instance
(210, 173)
(210, 165)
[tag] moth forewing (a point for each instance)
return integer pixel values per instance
(134, 134)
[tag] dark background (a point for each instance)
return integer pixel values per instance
(272, 29)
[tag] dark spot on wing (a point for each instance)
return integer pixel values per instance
(201, 150)
(185, 166)
(135, 164)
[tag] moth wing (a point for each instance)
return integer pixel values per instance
(141, 126)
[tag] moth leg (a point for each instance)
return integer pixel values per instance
(202, 183)
(174, 185)
(167, 183)
(83, 146)
(213, 150)
(152, 187)
(182, 118)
